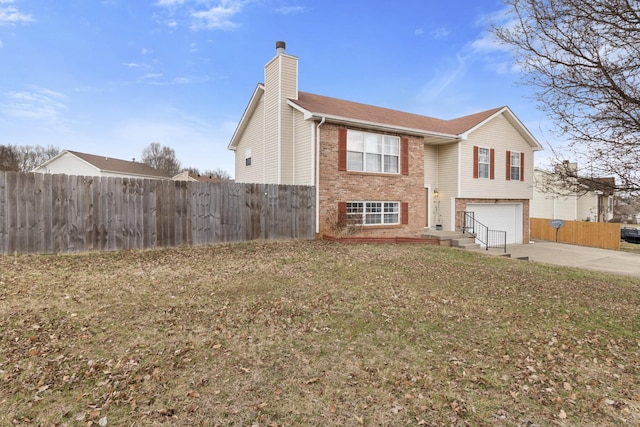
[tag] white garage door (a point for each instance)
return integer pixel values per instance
(502, 217)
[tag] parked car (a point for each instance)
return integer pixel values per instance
(630, 234)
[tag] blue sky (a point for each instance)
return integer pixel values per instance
(108, 77)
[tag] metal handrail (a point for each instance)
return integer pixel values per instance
(490, 238)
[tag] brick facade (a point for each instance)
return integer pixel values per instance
(341, 186)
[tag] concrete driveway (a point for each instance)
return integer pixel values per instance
(605, 260)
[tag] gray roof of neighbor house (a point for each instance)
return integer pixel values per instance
(606, 185)
(109, 164)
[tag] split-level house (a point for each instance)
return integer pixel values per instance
(392, 173)
(75, 163)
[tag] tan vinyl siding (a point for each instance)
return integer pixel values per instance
(252, 138)
(430, 166)
(287, 89)
(447, 182)
(500, 135)
(280, 84)
(303, 146)
(271, 149)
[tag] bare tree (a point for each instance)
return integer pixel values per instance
(32, 156)
(219, 173)
(26, 157)
(583, 59)
(162, 158)
(8, 159)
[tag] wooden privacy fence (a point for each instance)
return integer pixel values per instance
(42, 213)
(597, 234)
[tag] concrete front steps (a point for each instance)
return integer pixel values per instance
(467, 241)
(454, 239)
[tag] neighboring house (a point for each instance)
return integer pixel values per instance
(75, 163)
(190, 176)
(580, 199)
(395, 173)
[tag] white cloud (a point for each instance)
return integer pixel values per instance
(486, 41)
(37, 104)
(433, 90)
(152, 76)
(439, 33)
(290, 10)
(203, 14)
(1, 44)
(487, 47)
(169, 2)
(217, 17)
(418, 32)
(10, 15)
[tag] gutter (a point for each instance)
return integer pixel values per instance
(318, 175)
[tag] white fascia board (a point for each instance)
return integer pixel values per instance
(253, 104)
(305, 113)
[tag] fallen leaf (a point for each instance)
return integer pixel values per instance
(102, 422)
(194, 394)
(562, 415)
(312, 380)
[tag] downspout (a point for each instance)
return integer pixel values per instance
(318, 175)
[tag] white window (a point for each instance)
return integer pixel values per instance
(484, 161)
(247, 157)
(515, 166)
(373, 213)
(371, 152)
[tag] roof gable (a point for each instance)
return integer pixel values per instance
(246, 116)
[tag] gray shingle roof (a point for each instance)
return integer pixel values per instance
(116, 165)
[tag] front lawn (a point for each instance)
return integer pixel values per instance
(314, 333)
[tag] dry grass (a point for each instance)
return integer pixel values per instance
(630, 247)
(314, 333)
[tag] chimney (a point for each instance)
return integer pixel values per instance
(280, 47)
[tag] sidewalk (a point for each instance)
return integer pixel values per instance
(605, 260)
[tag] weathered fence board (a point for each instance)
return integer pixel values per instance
(64, 213)
(596, 234)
